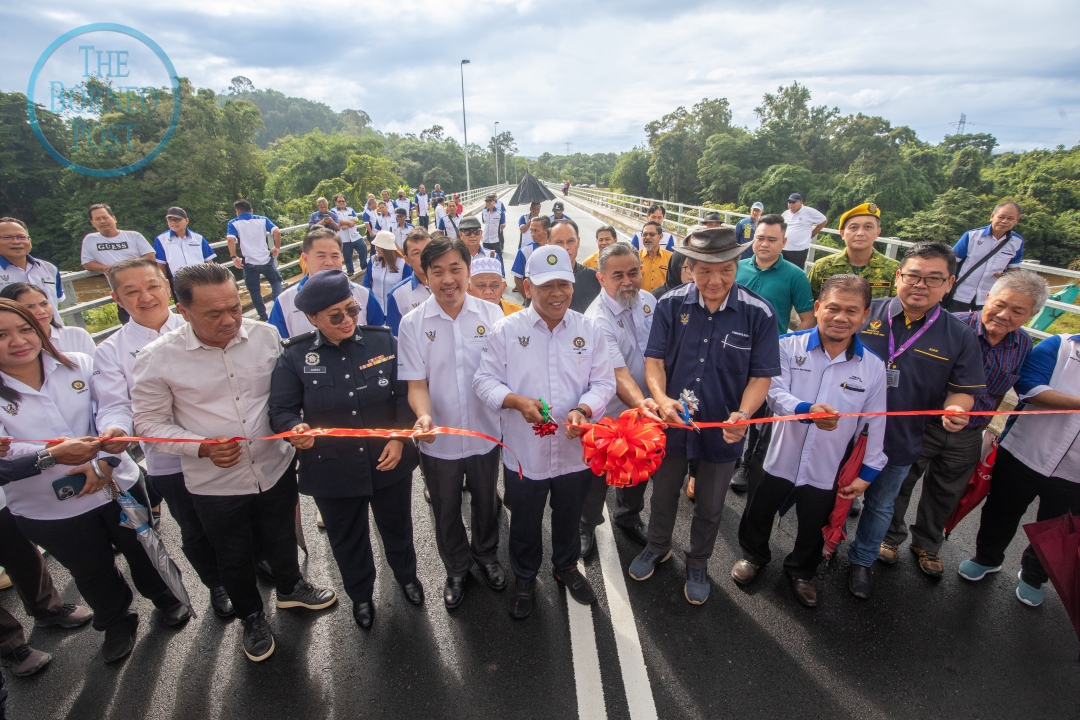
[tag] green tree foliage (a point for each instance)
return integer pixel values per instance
(631, 174)
(283, 115)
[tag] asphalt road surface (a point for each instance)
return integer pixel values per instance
(918, 648)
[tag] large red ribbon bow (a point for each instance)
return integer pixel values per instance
(629, 449)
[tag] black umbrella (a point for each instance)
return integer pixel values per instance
(530, 190)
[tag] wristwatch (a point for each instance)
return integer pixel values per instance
(45, 460)
(743, 413)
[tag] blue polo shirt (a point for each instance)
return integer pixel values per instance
(714, 355)
(784, 285)
(744, 234)
(947, 358)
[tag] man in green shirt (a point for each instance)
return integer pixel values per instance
(772, 277)
(785, 286)
(860, 227)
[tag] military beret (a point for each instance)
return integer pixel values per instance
(322, 290)
(864, 209)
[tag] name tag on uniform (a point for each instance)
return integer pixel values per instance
(892, 377)
(319, 370)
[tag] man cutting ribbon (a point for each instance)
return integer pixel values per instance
(930, 356)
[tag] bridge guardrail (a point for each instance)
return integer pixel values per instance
(73, 309)
(681, 216)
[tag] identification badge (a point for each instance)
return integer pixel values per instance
(892, 377)
(318, 370)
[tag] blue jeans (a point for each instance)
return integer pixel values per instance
(252, 277)
(877, 514)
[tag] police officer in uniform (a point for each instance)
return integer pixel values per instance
(345, 375)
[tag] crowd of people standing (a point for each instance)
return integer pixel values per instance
(721, 325)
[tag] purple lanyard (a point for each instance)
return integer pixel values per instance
(893, 352)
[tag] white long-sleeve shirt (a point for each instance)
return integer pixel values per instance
(114, 363)
(63, 407)
(446, 353)
(567, 367)
(852, 382)
(187, 389)
(627, 333)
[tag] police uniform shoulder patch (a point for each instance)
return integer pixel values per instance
(289, 342)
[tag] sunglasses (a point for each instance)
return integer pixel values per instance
(472, 232)
(337, 317)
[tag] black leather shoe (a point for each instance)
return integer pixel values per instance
(453, 592)
(740, 480)
(219, 600)
(588, 542)
(175, 614)
(414, 592)
(637, 531)
(363, 614)
(120, 639)
(576, 585)
(861, 581)
(494, 576)
(521, 602)
(263, 568)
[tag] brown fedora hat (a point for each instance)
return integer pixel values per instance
(711, 245)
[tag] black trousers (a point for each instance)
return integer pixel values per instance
(349, 533)
(443, 479)
(948, 460)
(813, 506)
(629, 502)
(758, 438)
(796, 257)
(194, 541)
(1012, 488)
(233, 521)
(84, 545)
(528, 497)
(26, 568)
(423, 221)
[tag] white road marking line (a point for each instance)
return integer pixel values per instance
(590, 690)
(631, 660)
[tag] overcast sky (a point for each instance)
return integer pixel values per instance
(593, 73)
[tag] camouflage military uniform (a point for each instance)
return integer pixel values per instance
(880, 272)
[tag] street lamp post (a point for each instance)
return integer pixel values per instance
(464, 125)
(496, 153)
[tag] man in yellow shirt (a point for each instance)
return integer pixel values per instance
(605, 236)
(654, 259)
(486, 282)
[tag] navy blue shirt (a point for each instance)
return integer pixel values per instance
(715, 355)
(946, 359)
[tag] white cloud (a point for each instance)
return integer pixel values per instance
(593, 74)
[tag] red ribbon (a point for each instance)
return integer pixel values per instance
(629, 449)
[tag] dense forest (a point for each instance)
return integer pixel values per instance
(925, 191)
(282, 152)
(215, 157)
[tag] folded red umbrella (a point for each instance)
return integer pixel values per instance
(834, 531)
(978, 486)
(1057, 543)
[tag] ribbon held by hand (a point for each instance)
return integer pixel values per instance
(628, 449)
(548, 426)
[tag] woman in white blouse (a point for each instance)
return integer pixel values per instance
(64, 338)
(386, 268)
(69, 511)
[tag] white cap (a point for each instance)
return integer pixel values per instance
(485, 264)
(547, 263)
(757, 206)
(385, 239)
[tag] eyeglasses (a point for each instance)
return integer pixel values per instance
(650, 235)
(170, 218)
(337, 317)
(18, 238)
(472, 232)
(931, 282)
